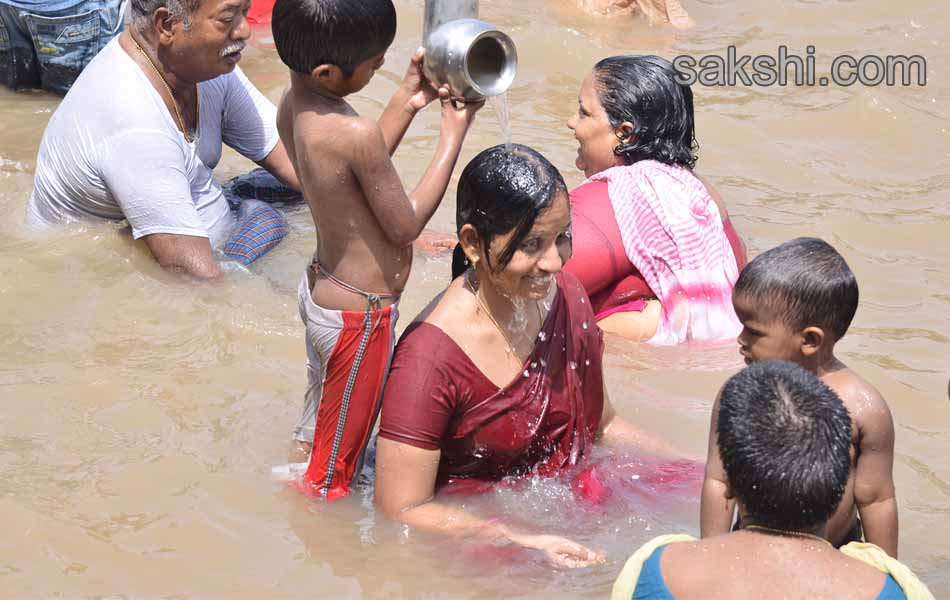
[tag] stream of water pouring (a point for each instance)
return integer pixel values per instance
(500, 104)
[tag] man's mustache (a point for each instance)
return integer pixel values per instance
(233, 48)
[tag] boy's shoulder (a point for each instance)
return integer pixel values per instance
(311, 110)
(345, 129)
(859, 396)
(850, 386)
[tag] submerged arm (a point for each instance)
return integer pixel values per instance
(183, 253)
(146, 174)
(405, 485)
(278, 164)
(617, 431)
(716, 508)
(634, 325)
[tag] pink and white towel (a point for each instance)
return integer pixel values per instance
(672, 233)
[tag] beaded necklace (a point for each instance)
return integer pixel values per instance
(788, 533)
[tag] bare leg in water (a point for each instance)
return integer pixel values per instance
(657, 11)
(299, 452)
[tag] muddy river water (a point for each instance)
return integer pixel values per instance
(141, 414)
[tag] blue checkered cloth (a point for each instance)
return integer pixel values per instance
(260, 226)
(258, 230)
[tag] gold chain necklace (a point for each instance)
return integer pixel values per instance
(788, 533)
(484, 307)
(181, 121)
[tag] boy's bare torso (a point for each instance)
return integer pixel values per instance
(351, 243)
(865, 405)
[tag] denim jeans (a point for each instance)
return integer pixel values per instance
(49, 49)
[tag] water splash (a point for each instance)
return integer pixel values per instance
(519, 314)
(500, 104)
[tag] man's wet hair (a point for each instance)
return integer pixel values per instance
(784, 440)
(142, 11)
(805, 283)
(644, 90)
(310, 33)
(503, 189)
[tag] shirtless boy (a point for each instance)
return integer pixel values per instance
(795, 302)
(366, 222)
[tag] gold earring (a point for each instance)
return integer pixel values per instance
(471, 278)
(618, 149)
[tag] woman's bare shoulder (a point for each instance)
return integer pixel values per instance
(451, 307)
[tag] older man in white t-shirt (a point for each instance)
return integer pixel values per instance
(141, 130)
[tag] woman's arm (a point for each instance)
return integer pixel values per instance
(405, 485)
(595, 254)
(638, 326)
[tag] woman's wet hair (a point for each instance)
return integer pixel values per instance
(644, 90)
(804, 283)
(784, 440)
(503, 189)
(310, 33)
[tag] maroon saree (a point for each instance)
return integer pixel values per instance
(542, 422)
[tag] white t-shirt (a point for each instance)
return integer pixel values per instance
(112, 150)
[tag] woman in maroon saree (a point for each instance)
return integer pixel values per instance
(502, 374)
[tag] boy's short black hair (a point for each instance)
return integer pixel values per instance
(806, 282)
(310, 33)
(784, 440)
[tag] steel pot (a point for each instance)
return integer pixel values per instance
(473, 57)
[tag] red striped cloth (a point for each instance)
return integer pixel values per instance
(673, 234)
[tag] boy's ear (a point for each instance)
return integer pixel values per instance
(327, 74)
(471, 243)
(812, 340)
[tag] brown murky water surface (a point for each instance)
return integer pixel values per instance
(141, 414)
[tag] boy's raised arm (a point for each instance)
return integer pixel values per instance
(716, 510)
(404, 217)
(874, 492)
(414, 94)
